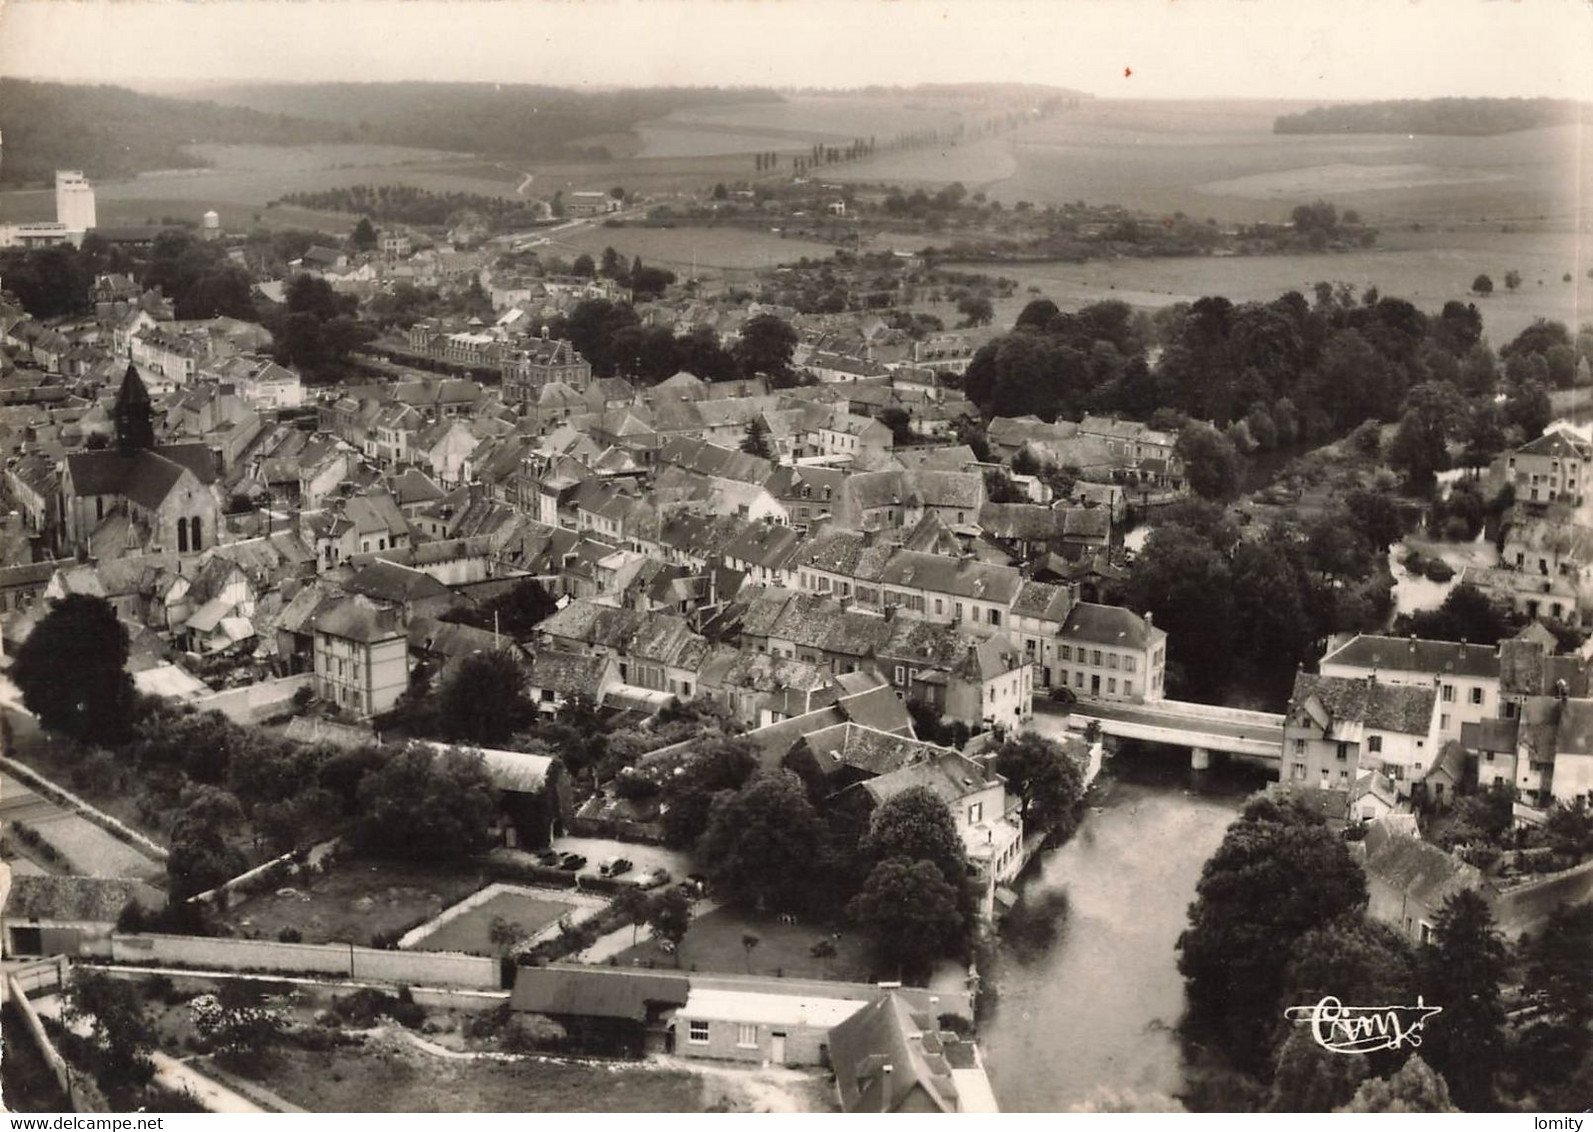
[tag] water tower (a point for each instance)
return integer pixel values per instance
(210, 226)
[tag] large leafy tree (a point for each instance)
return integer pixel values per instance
(1308, 1078)
(201, 857)
(72, 670)
(120, 1037)
(426, 805)
(1042, 773)
(910, 911)
(765, 347)
(1187, 583)
(764, 841)
(669, 915)
(1278, 873)
(1211, 463)
(484, 701)
(1559, 979)
(1466, 614)
(1462, 969)
(1415, 1088)
(917, 825)
(721, 765)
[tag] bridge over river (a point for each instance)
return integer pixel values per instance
(1250, 736)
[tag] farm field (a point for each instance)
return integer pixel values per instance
(726, 249)
(1221, 160)
(1426, 268)
(470, 932)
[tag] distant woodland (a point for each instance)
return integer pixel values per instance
(1475, 116)
(405, 204)
(110, 131)
(491, 119)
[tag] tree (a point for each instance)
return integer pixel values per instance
(669, 915)
(764, 841)
(1482, 285)
(721, 765)
(1278, 873)
(120, 1037)
(235, 1021)
(200, 857)
(583, 266)
(1186, 582)
(1559, 980)
(910, 911)
(749, 944)
(765, 347)
(1416, 1087)
(755, 441)
(1418, 451)
(976, 310)
(824, 951)
(1211, 463)
(426, 805)
(1354, 959)
(1462, 969)
(1570, 829)
(484, 701)
(514, 613)
(1512, 279)
(1042, 773)
(72, 670)
(1308, 1078)
(900, 422)
(917, 825)
(503, 934)
(363, 238)
(1467, 614)
(1036, 314)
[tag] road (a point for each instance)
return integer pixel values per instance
(1149, 716)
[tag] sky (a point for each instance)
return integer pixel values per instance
(1308, 49)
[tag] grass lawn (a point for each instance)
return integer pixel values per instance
(359, 899)
(470, 932)
(714, 944)
(387, 1075)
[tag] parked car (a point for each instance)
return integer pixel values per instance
(1062, 694)
(651, 878)
(550, 857)
(572, 862)
(614, 866)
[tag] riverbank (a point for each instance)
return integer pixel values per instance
(1093, 997)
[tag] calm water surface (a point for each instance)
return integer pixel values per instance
(1098, 1006)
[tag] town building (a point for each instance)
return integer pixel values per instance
(1337, 728)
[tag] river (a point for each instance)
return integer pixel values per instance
(1098, 1004)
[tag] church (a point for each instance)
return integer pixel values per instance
(152, 498)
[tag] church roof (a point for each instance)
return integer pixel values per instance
(145, 476)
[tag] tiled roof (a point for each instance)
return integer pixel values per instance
(587, 992)
(90, 900)
(1110, 625)
(1418, 869)
(1386, 707)
(1411, 654)
(357, 620)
